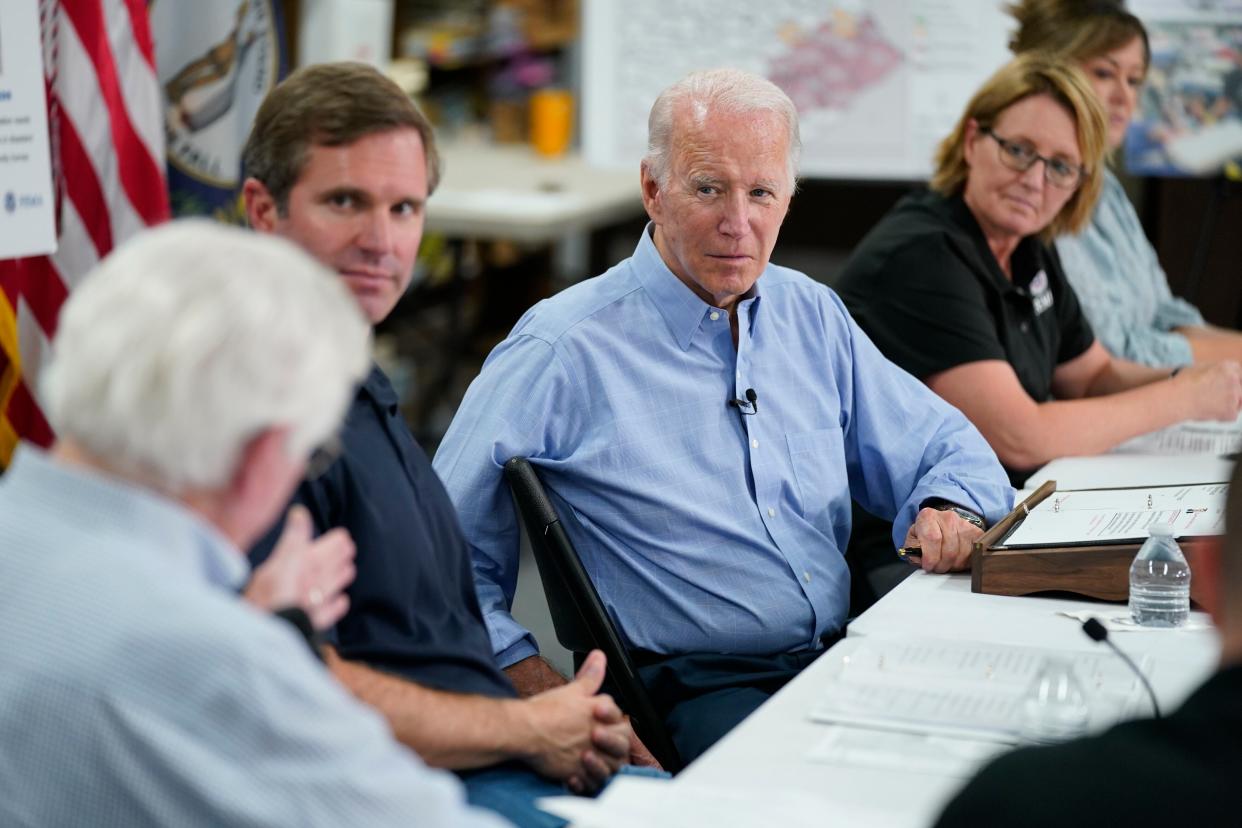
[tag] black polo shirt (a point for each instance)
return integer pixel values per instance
(413, 610)
(926, 288)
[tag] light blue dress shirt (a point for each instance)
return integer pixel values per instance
(137, 689)
(704, 530)
(1121, 286)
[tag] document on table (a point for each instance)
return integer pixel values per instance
(858, 747)
(1088, 516)
(629, 801)
(964, 689)
(1191, 437)
(916, 659)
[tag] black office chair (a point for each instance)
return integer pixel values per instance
(582, 624)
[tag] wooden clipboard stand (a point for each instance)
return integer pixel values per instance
(1101, 571)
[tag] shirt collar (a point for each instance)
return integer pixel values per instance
(110, 504)
(379, 388)
(683, 311)
(1023, 255)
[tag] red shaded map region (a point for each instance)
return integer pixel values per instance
(830, 66)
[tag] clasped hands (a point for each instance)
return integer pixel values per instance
(572, 733)
(575, 733)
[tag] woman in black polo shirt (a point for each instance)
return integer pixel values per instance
(959, 286)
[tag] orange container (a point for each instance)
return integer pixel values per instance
(551, 121)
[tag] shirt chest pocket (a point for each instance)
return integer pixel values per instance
(818, 461)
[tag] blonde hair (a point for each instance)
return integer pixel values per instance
(1021, 78)
(1076, 30)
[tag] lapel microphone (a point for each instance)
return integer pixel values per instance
(748, 406)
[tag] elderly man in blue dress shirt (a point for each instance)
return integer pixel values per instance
(704, 418)
(194, 372)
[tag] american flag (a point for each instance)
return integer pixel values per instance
(105, 117)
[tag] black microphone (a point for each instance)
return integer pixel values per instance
(1097, 632)
(751, 402)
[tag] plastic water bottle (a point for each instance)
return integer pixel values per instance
(1160, 581)
(1054, 707)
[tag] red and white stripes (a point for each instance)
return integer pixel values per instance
(106, 123)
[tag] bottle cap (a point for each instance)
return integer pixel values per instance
(1162, 530)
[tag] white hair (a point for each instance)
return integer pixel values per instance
(194, 338)
(728, 91)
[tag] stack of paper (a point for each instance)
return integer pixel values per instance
(857, 747)
(964, 689)
(1192, 437)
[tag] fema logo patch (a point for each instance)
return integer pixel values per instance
(1041, 293)
(10, 202)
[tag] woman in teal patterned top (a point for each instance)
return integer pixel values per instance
(1114, 270)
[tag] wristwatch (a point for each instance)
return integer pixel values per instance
(965, 514)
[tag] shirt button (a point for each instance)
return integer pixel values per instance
(754, 444)
(713, 316)
(806, 576)
(1024, 327)
(771, 512)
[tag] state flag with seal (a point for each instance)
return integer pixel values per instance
(216, 63)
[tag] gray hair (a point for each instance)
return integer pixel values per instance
(730, 91)
(194, 338)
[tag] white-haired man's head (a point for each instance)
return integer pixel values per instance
(718, 178)
(192, 341)
(719, 91)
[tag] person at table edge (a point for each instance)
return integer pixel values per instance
(1112, 266)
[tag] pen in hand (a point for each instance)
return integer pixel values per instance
(910, 552)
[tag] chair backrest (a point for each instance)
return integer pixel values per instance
(581, 622)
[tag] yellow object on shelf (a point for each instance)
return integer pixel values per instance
(551, 121)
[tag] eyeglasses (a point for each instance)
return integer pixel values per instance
(322, 457)
(1059, 172)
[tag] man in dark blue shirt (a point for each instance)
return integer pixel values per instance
(341, 162)
(413, 610)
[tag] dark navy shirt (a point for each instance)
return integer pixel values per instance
(413, 610)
